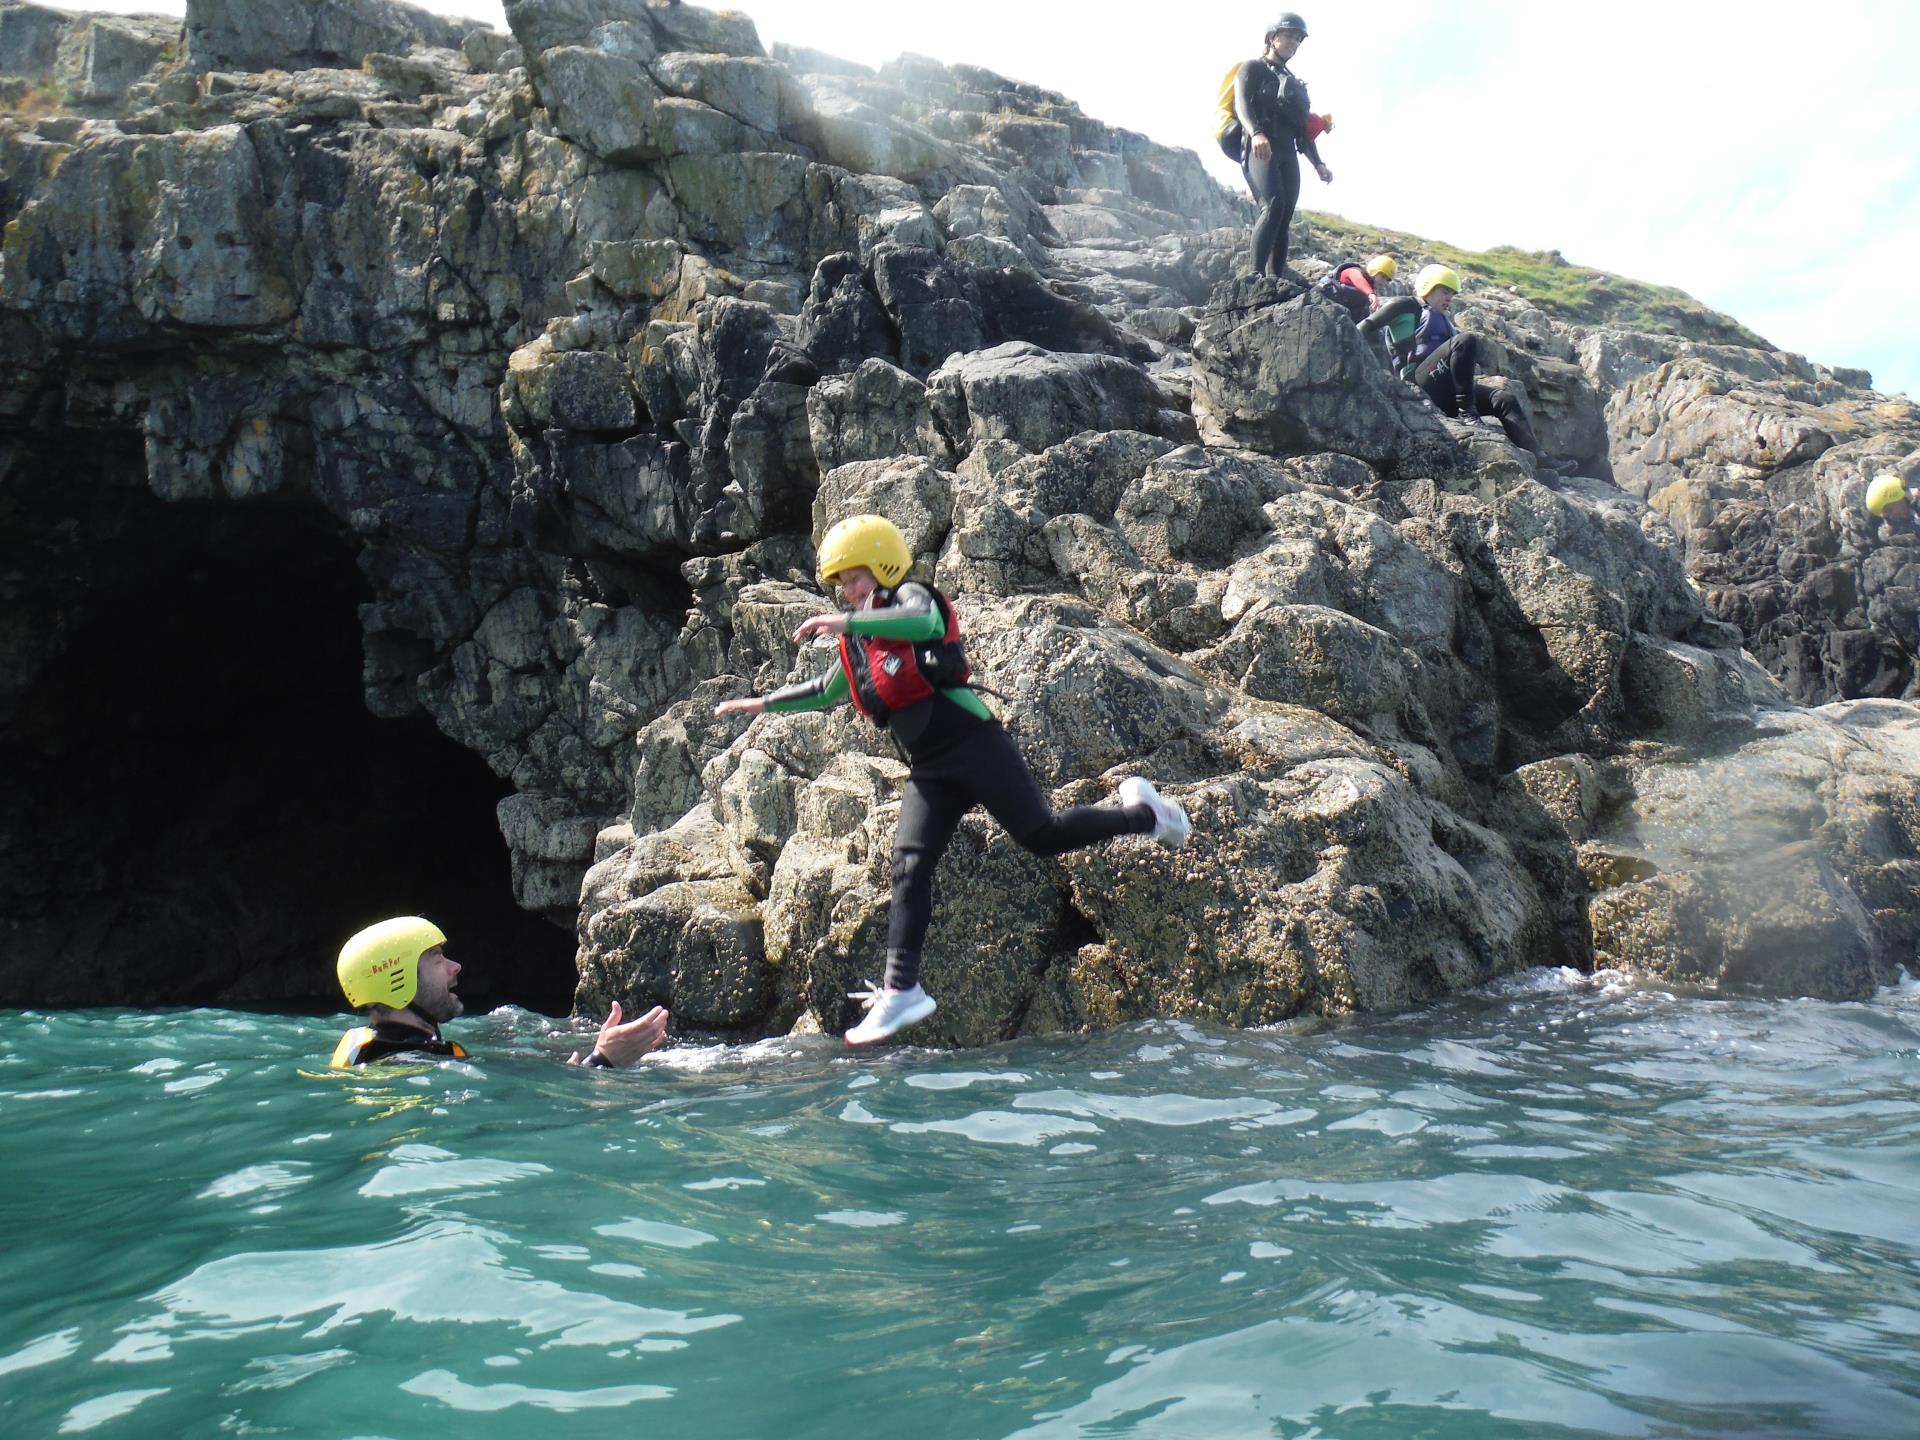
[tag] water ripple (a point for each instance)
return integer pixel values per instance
(1566, 1206)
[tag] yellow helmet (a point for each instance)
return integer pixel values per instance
(1383, 267)
(1884, 491)
(380, 965)
(1434, 276)
(870, 540)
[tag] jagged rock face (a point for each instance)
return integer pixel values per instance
(319, 34)
(580, 337)
(1292, 376)
(91, 59)
(1785, 864)
(1760, 462)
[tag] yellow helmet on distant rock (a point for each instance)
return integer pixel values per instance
(381, 964)
(1885, 490)
(870, 540)
(1383, 267)
(1434, 276)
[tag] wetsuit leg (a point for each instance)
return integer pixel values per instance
(1505, 407)
(1001, 781)
(1441, 374)
(1275, 183)
(930, 812)
(1463, 357)
(1439, 388)
(985, 769)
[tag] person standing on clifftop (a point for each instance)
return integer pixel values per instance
(1271, 104)
(904, 666)
(399, 972)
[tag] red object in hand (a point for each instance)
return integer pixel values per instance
(1318, 125)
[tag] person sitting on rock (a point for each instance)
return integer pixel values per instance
(1360, 289)
(1442, 360)
(1895, 502)
(1271, 104)
(903, 664)
(399, 972)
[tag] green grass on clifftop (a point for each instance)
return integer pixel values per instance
(1564, 290)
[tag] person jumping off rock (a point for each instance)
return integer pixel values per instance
(1270, 102)
(903, 664)
(1442, 359)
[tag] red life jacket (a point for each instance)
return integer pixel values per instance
(886, 676)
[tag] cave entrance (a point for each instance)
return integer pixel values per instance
(202, 808)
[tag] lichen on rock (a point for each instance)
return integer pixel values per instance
(578, 337)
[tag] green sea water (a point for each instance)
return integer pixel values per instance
(1563, 1207)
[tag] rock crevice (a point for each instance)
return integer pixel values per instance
(577, 337)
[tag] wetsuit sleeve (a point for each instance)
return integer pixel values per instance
(969, 702)
(1390, 311)
(823, 692)
(1243, 102)
(912, 616)
(1305, 143)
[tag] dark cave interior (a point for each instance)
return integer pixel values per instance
(200, 809)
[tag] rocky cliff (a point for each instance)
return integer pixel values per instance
(532, 365)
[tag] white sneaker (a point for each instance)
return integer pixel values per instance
(1171, 827)
(888, 1012)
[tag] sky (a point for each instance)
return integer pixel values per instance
(1755, 154)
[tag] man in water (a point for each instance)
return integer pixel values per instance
(399, 972)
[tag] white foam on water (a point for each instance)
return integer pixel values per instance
(92, 1414)
(1904, 990)
(706, 1059)
(1557, 980)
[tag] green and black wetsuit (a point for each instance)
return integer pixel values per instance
(958, 756)
(1443, 361)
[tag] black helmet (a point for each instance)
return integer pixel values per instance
(1289, 20)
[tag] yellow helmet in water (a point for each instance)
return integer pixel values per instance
(381, 964)
(1434, 276)
(1884, 491)
(870, 540)
(1383, 267)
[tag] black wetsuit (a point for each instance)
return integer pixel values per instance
(1271, 100)
(1351, 288)
(958, 756)
(385, 1039)
(982, 767)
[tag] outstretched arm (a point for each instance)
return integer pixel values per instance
(622, 1041)
(823, 692)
